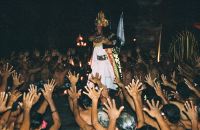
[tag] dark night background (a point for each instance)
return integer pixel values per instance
(29, 24)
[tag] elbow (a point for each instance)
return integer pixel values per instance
(58, 124)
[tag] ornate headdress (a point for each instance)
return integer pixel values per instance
(101, 20)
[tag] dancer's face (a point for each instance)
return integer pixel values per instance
(99, 29)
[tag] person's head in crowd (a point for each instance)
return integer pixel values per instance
(36, 121)
(183, 91)
(126, 122)
(171, 112)
(146, 127)
(103, 118)
(152, 54)
(196, 81)
(148, 93)
(84, 102)
(197, 104)
(154, 72)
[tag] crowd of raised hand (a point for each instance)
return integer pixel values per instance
(151, 95)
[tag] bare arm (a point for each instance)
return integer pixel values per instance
(27, 105)
(154, 111)
(125, 93)
(43, 107)
(134, 90)
(82, 124)
(47, 92)
(113, 113)
(5, 73)
(94, 96)
(95, 121)
(56, 119)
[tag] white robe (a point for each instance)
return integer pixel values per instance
(103, 67)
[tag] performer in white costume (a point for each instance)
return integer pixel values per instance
(103, 59)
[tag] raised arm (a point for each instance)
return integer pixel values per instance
(134, 90)
(154, 111)
(5, 73)
(113, 113)
(167, 83)
(159, 92)
(27, 105)
(47, 92)
(192, 87)
(192, 113)
(74, 95)
(125, 93)
(73, 78)
(94, 96)
(14, 96)
(17, 80)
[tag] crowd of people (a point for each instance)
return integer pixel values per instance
(151, 95)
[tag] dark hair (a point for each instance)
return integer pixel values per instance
(171, 112)
(36, 120)
(198, 106)
(183, 90)
(196, 80)
(84, 101)
(146, 127)
(126, 122)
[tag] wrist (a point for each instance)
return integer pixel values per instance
(49, 100)
(27, 110)
(73, 84)
(94, 100)
(158, 116)
(74, 99)
(194, 120)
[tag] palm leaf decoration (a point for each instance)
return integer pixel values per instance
(184, 47)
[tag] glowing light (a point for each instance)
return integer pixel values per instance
(89, 62)
(65, 92)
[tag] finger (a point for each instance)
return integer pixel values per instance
(121, 109)
(109, 102)
(113, 103)
(107, 106)
(157, 104)
(106, 110)
(149, 104)
(153, 103)
(146, 110)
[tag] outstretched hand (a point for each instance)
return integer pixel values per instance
(33, 90)
(28, 101)
(92, 93)
(164, 80)
(111, 109)
(191, 110)
(73, 94)
(6, 71)
(134, 88)
(96, 79)
(17, 79)
(118, 82)
(154, 108)
(73, 77)
(48, 89)
(3, 100)
(149, 80)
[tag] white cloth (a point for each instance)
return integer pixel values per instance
(103, 67)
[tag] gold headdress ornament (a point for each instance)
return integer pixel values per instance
(101, 20)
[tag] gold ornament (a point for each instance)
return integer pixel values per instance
(101, 20)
